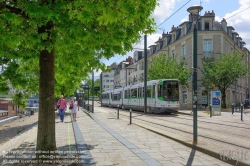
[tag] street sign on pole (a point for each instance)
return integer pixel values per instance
(85, 87)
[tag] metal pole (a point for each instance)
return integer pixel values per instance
(93, 91)
(101, 88)
(241, 111)
(88, 98)
(117, 111)
(210, 108)
(235, 95)
(145, 73)
(195, 85)
(126, 76)
(130, 116)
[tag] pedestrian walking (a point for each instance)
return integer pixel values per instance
(74, 109)
(62, 104)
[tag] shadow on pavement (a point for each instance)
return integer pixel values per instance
(11, 132)
(191, 158)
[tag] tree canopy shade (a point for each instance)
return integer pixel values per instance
(223, 72)
(161, 67)
(58, 42)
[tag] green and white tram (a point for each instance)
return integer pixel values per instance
(162, 96)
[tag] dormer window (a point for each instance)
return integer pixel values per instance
(173, 38)
(206, 25)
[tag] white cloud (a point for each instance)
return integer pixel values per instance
(164, 10)
(239, 19)
(184, 19)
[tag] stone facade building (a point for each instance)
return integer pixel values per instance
(213, 38)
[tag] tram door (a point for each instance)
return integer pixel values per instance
(154, 96)
(141, 98)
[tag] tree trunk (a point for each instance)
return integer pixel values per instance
(223, 98)
(46, 119)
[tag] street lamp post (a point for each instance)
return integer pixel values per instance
(93, 91)
(194, 11)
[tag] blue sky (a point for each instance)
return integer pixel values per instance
(222, 9)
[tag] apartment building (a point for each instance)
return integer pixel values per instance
(213, 38)
(107, 77)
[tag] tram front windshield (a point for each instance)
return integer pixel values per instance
(170, 90)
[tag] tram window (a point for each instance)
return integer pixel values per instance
(133, 93)
(149, 90)
(160, 91)
(171, 90)
(153, 91)
(126, 94)
(139, 92)
(142, 92)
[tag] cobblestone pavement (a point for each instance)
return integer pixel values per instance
(220, 134)
(136, 146)
(12, 129)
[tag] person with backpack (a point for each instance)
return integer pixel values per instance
(74, 108)
(62, 105)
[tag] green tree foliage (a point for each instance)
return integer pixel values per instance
(52, 45)
(161, 67)
(223, 72)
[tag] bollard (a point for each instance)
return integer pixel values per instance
(232, 108)
(130, 116)
(117, 111)
(210, 109)
(241, 111)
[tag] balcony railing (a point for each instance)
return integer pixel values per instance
(208, 54)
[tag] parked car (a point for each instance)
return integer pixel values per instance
(27, 113)
(247, 103)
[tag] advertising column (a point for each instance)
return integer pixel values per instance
(216, 102)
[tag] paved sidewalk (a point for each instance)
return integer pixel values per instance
(25, 144)
(115, 142)
(220, 136)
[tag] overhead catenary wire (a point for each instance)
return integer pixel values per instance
(161, 24)
(173, 13)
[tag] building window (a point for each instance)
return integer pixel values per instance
(173, 54)
(184, 51)
(173, 38)
(184, 97)
(106, 75)
(206, 25)
(207, 48)
(183, 31)
(107, 80)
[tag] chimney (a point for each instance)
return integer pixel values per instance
(224, 24)
(173, 28)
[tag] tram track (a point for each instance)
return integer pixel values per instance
(230, 132)
(185, 130)
(200, 127)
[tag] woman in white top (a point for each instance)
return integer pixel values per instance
(74, 109)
